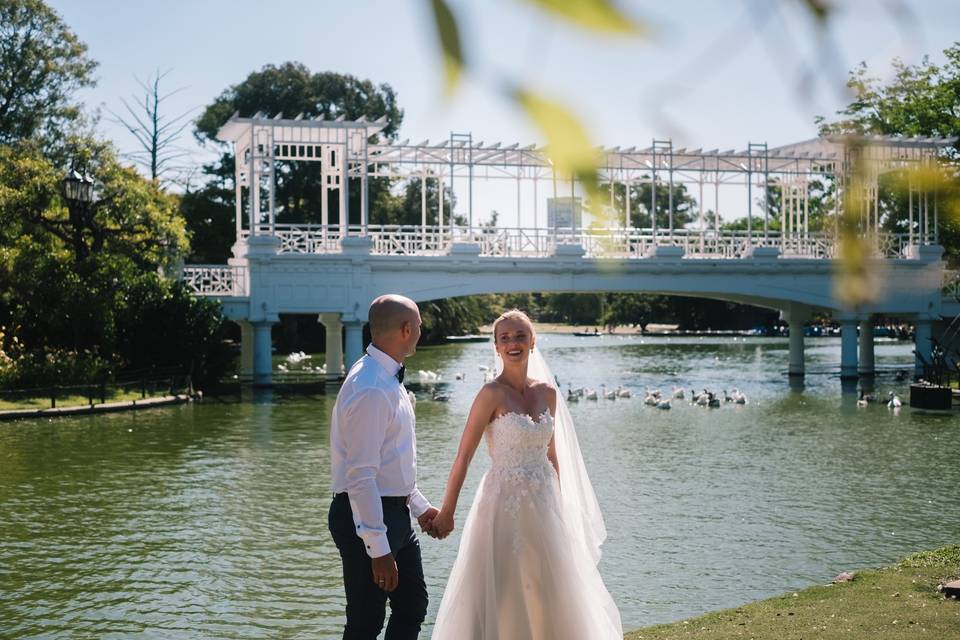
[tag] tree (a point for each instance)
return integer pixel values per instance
(155, 132)
(42, 63)
(407, 209)
(920, 100)
(129, 216)
(684, 206)
(290, 89)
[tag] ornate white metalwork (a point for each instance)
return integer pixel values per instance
(216, 280)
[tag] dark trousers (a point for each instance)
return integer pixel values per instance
(366, 602)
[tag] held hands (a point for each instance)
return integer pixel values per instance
(435, 523)
(426, 520)
(442, 525)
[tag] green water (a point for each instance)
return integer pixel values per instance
(208, 520)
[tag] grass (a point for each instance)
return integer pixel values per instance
(43, 402)
(897, 602)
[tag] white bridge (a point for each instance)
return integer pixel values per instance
(780, 261)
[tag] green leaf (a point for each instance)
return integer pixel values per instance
(596, 15)
(819, 9)
(449, 35)
(568, 144)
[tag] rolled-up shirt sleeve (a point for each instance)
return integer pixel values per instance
(418, 503)
(367, 413)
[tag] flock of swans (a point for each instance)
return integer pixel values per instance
(658, 399)
(298, 361)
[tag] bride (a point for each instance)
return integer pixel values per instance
(527, 565)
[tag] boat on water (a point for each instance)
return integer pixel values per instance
(587, 334)
(470, 337)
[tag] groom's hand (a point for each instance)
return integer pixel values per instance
(385, 573)
(426, 520)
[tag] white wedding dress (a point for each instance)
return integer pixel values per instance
(523, 572)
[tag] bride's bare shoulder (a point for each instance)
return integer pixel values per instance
(546, 389)
(490, 392)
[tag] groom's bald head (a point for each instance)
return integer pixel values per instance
(389, 313)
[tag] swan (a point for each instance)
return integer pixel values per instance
(713, 401)
(590, 394)
(678, 393)
(663, 404)
(623, 392)
(608, 395)
(894, 402)
(862, 401)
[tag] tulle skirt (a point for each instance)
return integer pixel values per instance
(518, 574)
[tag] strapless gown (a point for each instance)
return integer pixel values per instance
(517, 575)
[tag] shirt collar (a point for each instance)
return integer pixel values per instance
(389, 364)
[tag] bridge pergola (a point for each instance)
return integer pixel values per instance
(350, 150)
(333, 269)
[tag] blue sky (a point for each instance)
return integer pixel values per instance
(711, 74)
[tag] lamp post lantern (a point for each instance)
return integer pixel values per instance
(77, 188)
(78, 194)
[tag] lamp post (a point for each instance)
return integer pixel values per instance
(78, 194)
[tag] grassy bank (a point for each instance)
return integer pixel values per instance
(43, 402)
(895, 602)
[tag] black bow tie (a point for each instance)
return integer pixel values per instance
(400, 374)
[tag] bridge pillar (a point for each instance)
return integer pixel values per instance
(922, 344)
(334, 344)
(354, 342)
(866, 367)
(848, 348)
(262, 353)
(246, 349)
(796, 316)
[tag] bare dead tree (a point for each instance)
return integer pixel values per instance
(155, 132)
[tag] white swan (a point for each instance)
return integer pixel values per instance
(894, 402)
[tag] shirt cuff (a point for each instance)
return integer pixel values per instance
(418, 503)
(377, 544)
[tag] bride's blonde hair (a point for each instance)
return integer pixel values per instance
(513, 314)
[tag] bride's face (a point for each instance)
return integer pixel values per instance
(514, 340)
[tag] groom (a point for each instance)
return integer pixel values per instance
(373, 463)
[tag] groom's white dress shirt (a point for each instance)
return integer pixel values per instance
(373, 447)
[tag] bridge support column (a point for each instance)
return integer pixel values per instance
(334, 344)
(354, 342)
(262, 354)
(866, 367)
(922, 344)
(848, 348)
(246, 349)
(796, 316)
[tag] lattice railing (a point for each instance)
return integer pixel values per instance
(215, 280)
(541, 243)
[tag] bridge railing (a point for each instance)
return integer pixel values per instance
(216, 280)
(597, 242)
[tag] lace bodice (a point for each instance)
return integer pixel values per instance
(516, 440)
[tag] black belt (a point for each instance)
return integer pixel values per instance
(400, 500)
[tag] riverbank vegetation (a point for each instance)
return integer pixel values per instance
(897, 602)
(86, 293)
